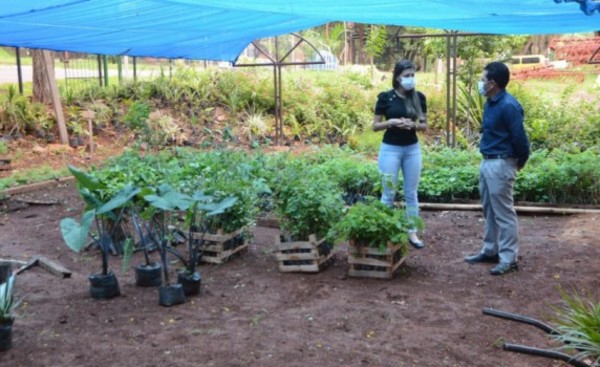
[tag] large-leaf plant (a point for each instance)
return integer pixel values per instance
(198, 209)
(106, 212)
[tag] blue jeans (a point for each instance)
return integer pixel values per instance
(496, 182)
(392, 159)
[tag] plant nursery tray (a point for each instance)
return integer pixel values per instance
(309, 256)
(369, 262)
(221, 247)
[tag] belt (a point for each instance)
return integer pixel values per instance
(496, 156)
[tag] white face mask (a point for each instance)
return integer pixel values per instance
(408, 83)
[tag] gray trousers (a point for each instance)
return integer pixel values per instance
(496, 182)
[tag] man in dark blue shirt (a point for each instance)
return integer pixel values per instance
(505, 150)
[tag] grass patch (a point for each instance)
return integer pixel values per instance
(33, 175)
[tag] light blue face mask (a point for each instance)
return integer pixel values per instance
(481, 87)
(408, 83)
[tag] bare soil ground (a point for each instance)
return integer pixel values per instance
(250, 314)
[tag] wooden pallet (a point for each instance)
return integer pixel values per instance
(215, 250)
(302, 256)
(369, 262)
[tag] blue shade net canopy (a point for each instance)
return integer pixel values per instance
(220, 30)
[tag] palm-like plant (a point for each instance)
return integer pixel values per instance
(470, 106)
(579, 326)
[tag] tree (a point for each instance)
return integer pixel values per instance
(41, 87)
(376, 42)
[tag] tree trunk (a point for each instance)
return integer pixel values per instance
(360, 29)
(41, 88)
(536, 45)
(349, 56)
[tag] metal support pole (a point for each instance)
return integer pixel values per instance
(134, 69)
(278, 62)
(19, 71)
(105, 63)
(448, 55)
(120, 69)
(454, 75)
(280, 108)
(276, 100)
(100, 69)
(278, 103)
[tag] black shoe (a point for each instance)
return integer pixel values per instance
(482, 258)
(504, 268)
(416, 244)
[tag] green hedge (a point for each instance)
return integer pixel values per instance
(549, 177)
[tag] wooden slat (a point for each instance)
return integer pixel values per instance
(399, 263)
(221, 257)
(370, 274)
(300, 245)
(308, 268)
(363, 250)
(323, 259)
(54, 267)
(357, 256)
(312, 244)
(368, 261)
(218, 237)
(299, 256)
(219, 247)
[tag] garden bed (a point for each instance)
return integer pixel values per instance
(250, 314)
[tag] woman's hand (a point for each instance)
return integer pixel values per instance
(403, 123)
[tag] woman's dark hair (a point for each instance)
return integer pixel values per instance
(413, 104)
(499, 73)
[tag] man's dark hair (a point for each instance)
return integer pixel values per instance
(499, 73)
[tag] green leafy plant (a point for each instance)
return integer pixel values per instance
(137, 115)
(373, 224)
(3, 147)
(307, 203)
(579, 325)
(106, 212)
(165, 201)
(14, 111)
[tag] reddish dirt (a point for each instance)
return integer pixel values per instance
(250, 314)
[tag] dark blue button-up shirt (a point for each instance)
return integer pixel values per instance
(503, 130)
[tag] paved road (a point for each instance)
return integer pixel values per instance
(8, 73)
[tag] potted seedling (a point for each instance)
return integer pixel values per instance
(197, 216)
(107, 216)
(166, 201)
(149, 273)
(7, 315)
